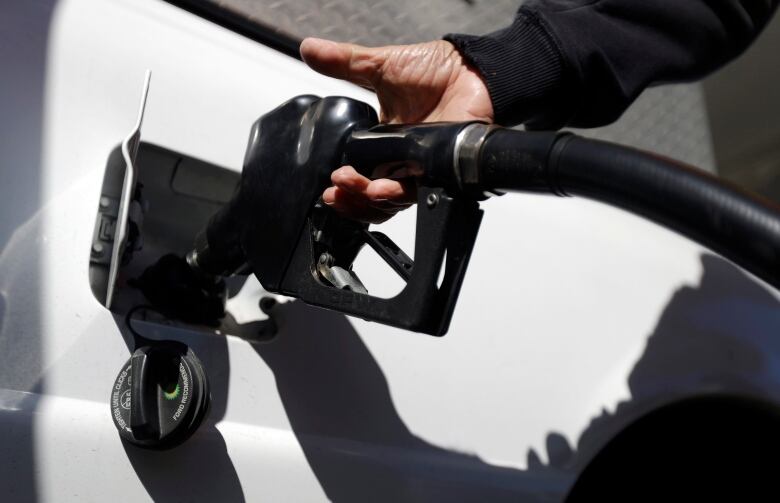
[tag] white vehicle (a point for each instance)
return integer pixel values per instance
(589, 346)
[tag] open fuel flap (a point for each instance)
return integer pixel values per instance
(153, 201)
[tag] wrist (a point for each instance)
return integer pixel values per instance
(523, 70)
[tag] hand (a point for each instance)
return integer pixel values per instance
(414, 83)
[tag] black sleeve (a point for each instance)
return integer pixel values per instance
(582, 62)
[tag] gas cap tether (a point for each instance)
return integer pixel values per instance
(160, 396)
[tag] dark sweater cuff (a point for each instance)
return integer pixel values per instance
(523, 70)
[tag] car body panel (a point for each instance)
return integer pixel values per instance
(574, 318)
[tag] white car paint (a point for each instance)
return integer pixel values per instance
(552, 330)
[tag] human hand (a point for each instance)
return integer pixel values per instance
(424, 82)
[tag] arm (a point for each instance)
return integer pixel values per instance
(560, 63)
(582, 62)
(425, 82)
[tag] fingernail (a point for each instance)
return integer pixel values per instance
(308, 45)
(316, 41)
(340, 175)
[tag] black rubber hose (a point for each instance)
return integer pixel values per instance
(730, 221)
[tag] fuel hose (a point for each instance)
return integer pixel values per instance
(736, 224)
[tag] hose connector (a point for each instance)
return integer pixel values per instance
(468, 146)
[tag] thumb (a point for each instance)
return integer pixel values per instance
(351, 62)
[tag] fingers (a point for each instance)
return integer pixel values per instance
(355, 208)
(350, 180)
(351, 62)
(381, 193)
(372, 201)
(392, 193)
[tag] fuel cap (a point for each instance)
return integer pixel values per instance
(160, 396)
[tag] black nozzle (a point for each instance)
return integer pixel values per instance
(425, 151)
(179, 291)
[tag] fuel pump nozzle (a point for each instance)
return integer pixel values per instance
(276, 226)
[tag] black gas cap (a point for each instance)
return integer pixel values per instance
(160, 396)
